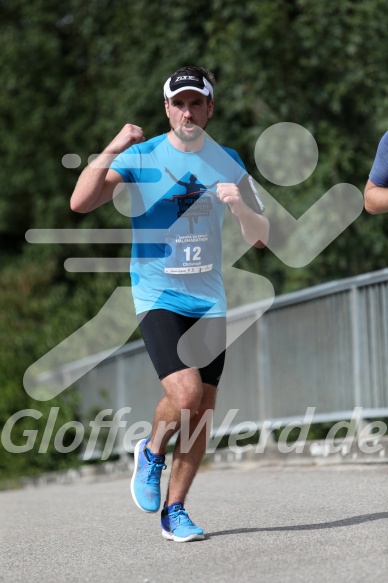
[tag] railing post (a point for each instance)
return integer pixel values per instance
(356, 355)
(263, 378)
(122, 398)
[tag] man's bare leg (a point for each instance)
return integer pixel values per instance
(183, 390)
(186, 462)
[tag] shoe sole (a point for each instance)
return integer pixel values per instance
(136, 459)
(178, 539)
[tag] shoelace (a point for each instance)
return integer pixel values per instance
(154, 470)
(180, 516)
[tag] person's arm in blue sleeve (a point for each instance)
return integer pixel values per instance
(376, 189)
(98, 182)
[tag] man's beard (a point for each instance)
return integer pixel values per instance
(189, 136)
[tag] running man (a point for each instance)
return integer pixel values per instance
(176, 276)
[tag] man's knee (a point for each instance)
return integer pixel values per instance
(190, 401)
(184, 389)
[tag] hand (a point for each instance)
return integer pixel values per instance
(254, 227)
(129, 135)
(229, 193)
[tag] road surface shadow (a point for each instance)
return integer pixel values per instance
(315, 526)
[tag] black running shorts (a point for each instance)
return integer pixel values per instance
(171, 349)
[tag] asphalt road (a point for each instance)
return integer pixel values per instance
(279, 524)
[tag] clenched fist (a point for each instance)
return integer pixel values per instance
(229, 193)
(129, 135)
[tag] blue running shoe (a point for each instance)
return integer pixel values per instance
(145, 483)
(177, 526)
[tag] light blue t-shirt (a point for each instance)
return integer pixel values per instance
(177, 221)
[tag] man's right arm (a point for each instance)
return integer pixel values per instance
(97, 182)
(375, 198)
(376, 189)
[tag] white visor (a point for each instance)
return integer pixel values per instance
(178, 83)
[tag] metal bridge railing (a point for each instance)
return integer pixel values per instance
(324, 347)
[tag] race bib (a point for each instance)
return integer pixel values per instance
(189, 253)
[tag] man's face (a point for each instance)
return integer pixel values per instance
(188, 112)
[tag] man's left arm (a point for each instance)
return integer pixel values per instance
(247, 210)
